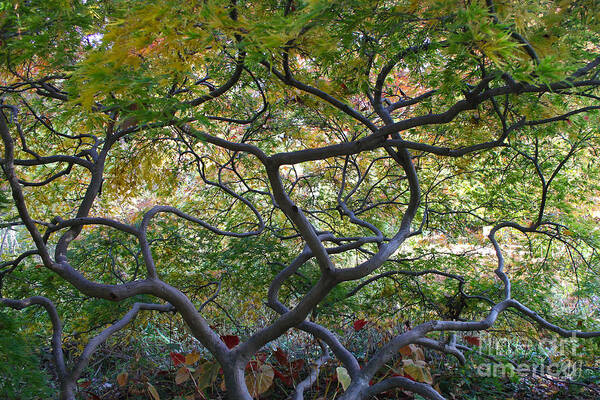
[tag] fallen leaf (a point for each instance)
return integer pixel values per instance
(177, 358)
(417, 370)
(472, 340)
(343, 377)
(206, 374)
(182, 375)
(91, 396)
(406, 351)
(192, 358)
(359, 324)
(152, 391)
(230, 340)
(260, 381)
(418, 353)
(281, 356)
(413, 351)
(122, 378)
(285, 378)
(85, 383)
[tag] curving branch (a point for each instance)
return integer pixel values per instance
(447, 348)
(400, 382)
(312, 377)
(288, 79)
(318, 331)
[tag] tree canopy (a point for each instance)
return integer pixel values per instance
(433, 162)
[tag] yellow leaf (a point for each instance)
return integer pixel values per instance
(417, 370)
(260, 381)
(418, 353)
(343, 377)
(152, 391)
(206, 374)
(413, 351)
(192, 357)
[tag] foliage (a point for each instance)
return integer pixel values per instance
(20, 363)
(377, 176)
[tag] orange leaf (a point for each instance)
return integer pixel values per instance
(122, 378)
(182, 375)
(192, 357)
(405, 351)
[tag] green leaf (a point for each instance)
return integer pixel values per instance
(343, 377)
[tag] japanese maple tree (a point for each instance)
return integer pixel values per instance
(348, 133)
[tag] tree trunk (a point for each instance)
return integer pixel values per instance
(354, 392)
(67, 390)
(236, 384)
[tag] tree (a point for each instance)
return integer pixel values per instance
(344, 131)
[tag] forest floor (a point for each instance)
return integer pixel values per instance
(274, 375)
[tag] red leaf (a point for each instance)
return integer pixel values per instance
(281, 356)
(409, 377)
(252, 365)
(472, 340)
(297, 365)
(177, 358)
(278, 374)
(359, 324)
(286, 379)
(85, 384)
(230, 340)
(91, 396)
